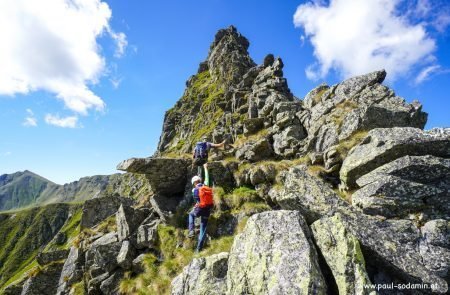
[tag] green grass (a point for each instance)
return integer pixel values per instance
(23, 233)
(346, 145)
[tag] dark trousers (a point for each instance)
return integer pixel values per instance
(198, 162)
(203, 213)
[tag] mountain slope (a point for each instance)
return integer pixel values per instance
(22, 189)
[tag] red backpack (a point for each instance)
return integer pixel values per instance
(206, 196)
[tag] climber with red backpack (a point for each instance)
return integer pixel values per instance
(204, 202)
(201, 152)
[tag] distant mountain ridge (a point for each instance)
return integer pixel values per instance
(25, 189)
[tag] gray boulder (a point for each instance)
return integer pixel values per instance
(355, 85)
(205, 275)
(315, 95)
(98, 209)
(274, 255)
(255, 151)
(307, 194)
(111, 285)
(166, 175)
(128, 219)
(288, 142)
(105, 256)
(126, 255)
(333, 114)
(393, 242)
(147, 235)
(434, 246)
(384, 145)
(45, 282)
(407, 185)
(71, 271)
(343, 255)
(94, 284)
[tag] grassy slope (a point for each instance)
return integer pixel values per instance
(23, 233)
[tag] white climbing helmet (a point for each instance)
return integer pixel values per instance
(195, 179)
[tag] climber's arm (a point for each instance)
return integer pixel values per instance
(206, 182)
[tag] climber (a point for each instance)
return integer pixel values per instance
(200, 153)
(203, 197)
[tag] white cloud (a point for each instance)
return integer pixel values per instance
(7, 154)
(64, 122)
(30, 120)
(51, 45)
(356, 37)
(425, 73)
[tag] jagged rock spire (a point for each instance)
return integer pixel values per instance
(228, 58)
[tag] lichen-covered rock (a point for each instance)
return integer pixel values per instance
(314, 96)
(98, 209)
(343, 255)
(361, 103)
(105, 256)
(128, 220)
(147, 235)
(393, 242)
(274, 255)
(288, 142)
(407, 185)
(166, 175)
(45, 282)
(203, 276)
(308, 194)
(71, 271)
(255, 151)
(384, 145)
(435, 245)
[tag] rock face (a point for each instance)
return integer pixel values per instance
(384, 145)
(128, 219)
(392, 242)
(343, 255)
(43, 283)
(360, 103)
(71, 271)
(166, 176)
(274, 255)
(308, 194)
(407, 185)
(44, 258)
(97, 210)
(255, 151)
(203, 276)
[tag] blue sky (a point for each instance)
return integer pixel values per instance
(139, 54)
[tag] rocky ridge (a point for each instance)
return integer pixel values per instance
(325, 195)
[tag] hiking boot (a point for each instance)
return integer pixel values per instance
(191, 234)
